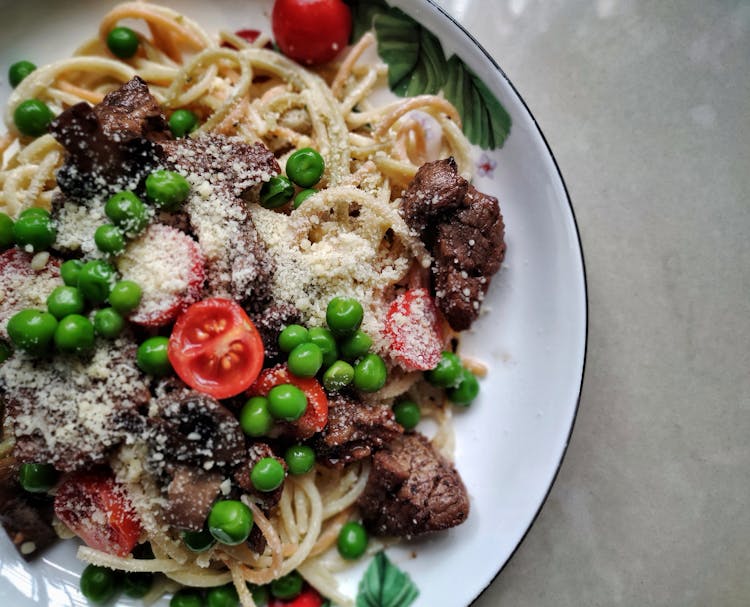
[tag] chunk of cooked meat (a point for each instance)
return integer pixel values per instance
(412, 489)
(463, 229)
(222, 171)
(190, 495)
(193, 428)
(26, 517)
(354, 431)
(67, 410)
(269, 322)
(111, 145)
(241, 476)
(22, 286)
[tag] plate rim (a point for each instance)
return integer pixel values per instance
(496, 66)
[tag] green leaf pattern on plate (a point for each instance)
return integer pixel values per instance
(417, 66)
(385, 585)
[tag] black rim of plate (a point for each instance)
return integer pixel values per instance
(500, 71)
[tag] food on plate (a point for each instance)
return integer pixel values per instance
(232, 289)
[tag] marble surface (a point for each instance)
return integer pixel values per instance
(646, 106)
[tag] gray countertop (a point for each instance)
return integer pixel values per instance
(646, 106)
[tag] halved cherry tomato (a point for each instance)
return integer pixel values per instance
(309, 597)
(96, 508)
(311, 31)
(413, 329)
(315, 417)
(215, 348)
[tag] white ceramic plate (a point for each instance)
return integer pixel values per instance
(511, 441)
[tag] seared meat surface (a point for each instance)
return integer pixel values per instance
(464, 231)
(354, 431)
(190, 495)
(412, 489)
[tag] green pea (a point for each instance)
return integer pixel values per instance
(267, 474)
(37, 478)
(182, 122)
(65, 300)
(109, 239)
(18, 71)
(6, 232)
(167, 189)
(352, 540)
(32, 330)
(301, 196)
(370, 373)
(74, 333)
(98, 584)
(467, 389)
(305, 360)
(255, 419)
(230, 522)
(222, 596)
(287, 402)
(407, 414)
(291, 337)
(108, 323)
(300, 459)
(152, 357)
(122, 42)
(127, 212)
(344, 315)
(69, 271)
(34, 230)
(339, 375)
(276, 192)
(137, 584)
(186, 597)
(288, 587)
(198, 541)
(125, 296)
(447, 373)
(325, 340)
(32, 117)
(260, 595)
(305, 167)
(5, 351)
(95, 280)
(355, 346)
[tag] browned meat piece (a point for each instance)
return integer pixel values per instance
(27, 518)
(111, 145)
(67, 410)
(190, 496)
(241, 476)
(269, 322)
(193, 428)
(412, 489)
(354, 431)
(222, 171)
(464, 231)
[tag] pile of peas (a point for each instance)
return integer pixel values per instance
(304, 168)
(92, 283)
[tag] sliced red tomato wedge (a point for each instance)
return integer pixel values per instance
(97, 509)
(315, 416)
(311, 31)
(309, 597)
(413, 328)
(215, 348)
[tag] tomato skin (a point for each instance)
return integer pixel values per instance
(96, 508)
(311, 31)
(309, 597)
(215, 348)
(413, 328)
(315, 417)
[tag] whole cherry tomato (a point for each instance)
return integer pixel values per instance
(311, 31)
